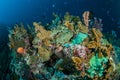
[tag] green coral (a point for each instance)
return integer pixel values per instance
(57, 30)
(96, 66)
(64, 37)
(79, 38)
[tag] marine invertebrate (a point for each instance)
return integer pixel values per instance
(82, 28)
(93, 44)
(97, 34)
(78, 62)
(59, 52)
(57, 30)
(44, 54)
(72, 23)
(71, 18)
(96, 66)
(42, 34)
(79, 38)
(63, 37)
(17, 36)
(86, 15)
(21, 50)
(69, 25)
(80, 51)
(98, 24)
(69, 50)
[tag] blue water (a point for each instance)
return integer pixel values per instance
(27, 11)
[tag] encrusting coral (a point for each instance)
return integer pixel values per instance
(68, 48)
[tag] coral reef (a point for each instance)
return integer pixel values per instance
(66, 49)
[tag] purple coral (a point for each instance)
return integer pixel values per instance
(98, 24)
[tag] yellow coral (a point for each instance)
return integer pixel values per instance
(69, 25)
(42, 34)
(107, 49)
(93, 44)
(78, 62)
(97, 33)
(96, 44)
(82, 27)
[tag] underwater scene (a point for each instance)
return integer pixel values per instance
(59, 40)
